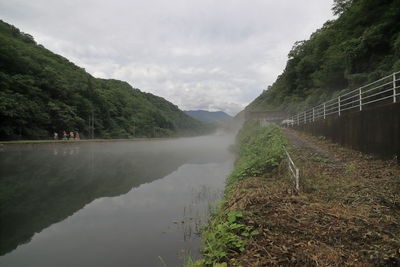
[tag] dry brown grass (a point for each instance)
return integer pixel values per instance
(347, 212)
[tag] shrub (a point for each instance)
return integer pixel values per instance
(261, 149)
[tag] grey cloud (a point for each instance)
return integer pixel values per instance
(198, 54)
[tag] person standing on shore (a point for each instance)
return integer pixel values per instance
(71, 135)
(55, 136)
(77, 137)
(64, 135)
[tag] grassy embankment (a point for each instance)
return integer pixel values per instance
(347, 212)
(260, 151)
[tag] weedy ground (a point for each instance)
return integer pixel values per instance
(346, 213)
(260, 150)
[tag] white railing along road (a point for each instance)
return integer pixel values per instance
(386, 88)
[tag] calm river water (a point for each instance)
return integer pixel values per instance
(136, 203)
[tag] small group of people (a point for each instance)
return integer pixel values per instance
(68, 136)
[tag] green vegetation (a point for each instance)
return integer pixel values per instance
(260, 150)
(321, 159)
(42, 92)
(224, 234)
(360, 46)
(208, 116)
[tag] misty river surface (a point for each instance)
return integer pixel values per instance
(123, 203)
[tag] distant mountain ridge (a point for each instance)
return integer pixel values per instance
(208, 116)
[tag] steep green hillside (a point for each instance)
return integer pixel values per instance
(41, 92)
(360, 46)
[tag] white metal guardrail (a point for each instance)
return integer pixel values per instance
(293, 170)
(386, 88)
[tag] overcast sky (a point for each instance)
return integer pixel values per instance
(198, 54)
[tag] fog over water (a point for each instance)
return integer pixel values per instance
(135, 203)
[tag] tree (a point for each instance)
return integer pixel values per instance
(340, 6)
(42, 92)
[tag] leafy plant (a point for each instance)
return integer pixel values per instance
(224, 234)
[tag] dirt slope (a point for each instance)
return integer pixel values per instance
(347, 212)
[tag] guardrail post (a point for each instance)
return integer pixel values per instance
(339, 104)
(324, 111)
(293, 170)
(360, 98)
(298, 122)
(394, 87)
(305, 117)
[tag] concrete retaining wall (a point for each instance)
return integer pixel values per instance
(375, 130)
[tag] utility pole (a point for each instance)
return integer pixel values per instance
(92, 123)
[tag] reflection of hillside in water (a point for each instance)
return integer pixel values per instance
(43, 184)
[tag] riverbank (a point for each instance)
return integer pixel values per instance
(227, 232)
(34, 143)
(347, 212)
(82, 140)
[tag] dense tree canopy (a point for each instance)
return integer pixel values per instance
(42, 93)
(360, 46)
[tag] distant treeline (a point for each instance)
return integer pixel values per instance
(42, 93)
(360, 46)
(208, 116)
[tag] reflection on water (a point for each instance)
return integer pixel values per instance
(111, 203)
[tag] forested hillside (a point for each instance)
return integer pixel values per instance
(41, 93)
(360, 46)
(208, 116)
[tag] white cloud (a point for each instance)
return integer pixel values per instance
(200, 54)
